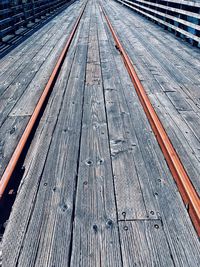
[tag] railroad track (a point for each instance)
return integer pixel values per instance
(186, 189)
(7, 179)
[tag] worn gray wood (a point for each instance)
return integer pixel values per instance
(9, 137)
(158, 37)
(6, 105)
(95, 232)
(23, 82)
(193, 121)
(134, 201)
(178, 10)
(159, 74)
(24, 93)
(163, 12)
(96, 189)
(144, 243)
(17, 64)
(27, 102)
(51, 223)
(163, 22)
(36, 188)
(172, 211)
(9, 61)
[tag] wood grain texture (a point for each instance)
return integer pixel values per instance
(27, 86)
(51, 222)
(43, 199)
(144, 244)
(134, 200)
(9, 136)
(95, 230)
(34, 76)
(34, 40)
(172, 211)
(96, 189)
(155, 17)
(162, 68)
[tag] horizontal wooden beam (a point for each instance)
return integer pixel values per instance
(161, 18)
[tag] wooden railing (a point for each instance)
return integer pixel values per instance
(181, 17)
(17, 16)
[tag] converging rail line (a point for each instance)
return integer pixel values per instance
(187, 191)
(104, 180)
(19, 149)
(21, 19)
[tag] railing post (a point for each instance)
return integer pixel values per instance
(33, 10)
(12, 6)
(24, 7)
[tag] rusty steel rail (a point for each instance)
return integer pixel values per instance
(28, 130)
(184, 184)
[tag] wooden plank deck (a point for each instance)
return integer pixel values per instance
(171, 77)
(96, 189)
(24, 73)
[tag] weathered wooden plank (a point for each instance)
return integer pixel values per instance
(132, 200)
(25, 60)
(184, 141)
(146, 58)
(41, 187)
(7, 150)
(10, 134)
(51, 222)
(33, 91)
(25, 106)
(185, 63)
(144, 243)
(163, 13)
(164, 66)
(166, 7)
(163, 22)
(95, 232)
(154, 36)
(193, 121)
(34, 40)
(94, 157)
(48, 40)
(66, 164)
(182, 51)
(176, 222)
(37, 72)
(15, 91)
(16, 64)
